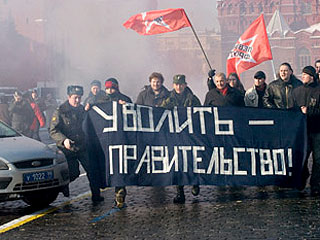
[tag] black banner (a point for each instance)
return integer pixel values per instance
(148, 146)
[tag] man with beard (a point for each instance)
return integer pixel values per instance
(155, 93)
(181, 96)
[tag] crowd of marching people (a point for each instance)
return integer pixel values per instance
(25, 113)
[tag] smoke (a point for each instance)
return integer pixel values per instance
(85, 40)
(92, 43)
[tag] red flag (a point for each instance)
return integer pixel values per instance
(159, 21)
(251, 49)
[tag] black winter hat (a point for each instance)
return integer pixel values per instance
(311, 71)
(95, 83)
(112, 83)
(259, 75)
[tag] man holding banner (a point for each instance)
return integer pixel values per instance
(223, 94)
(181, 96)
(113, 94)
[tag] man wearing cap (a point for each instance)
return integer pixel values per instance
(223, 94)
(95, 93)
(155, 93)
(113, 94)
(181, 96)
(279, 92)
(66, 130)
(253, 96)
(21, 114)
(307, 99)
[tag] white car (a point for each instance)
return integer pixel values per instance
(29, 169)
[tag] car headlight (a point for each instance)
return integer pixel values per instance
(3, 166)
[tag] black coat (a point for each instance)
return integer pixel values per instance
(147, 96)
(308, 95)
(113, 97)
(279, 93)
(215, 98)
(92, 99)
(22, 116)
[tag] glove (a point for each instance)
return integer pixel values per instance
(210, 82)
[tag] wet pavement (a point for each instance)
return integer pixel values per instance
(217, 213)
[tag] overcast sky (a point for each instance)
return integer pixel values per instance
(202, 13)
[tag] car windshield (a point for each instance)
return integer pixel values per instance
(6, 131)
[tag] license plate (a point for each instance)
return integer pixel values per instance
(37, 176)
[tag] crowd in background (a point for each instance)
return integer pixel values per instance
(27, 112)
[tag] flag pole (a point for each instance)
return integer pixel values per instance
(198, 40)
(273, 69)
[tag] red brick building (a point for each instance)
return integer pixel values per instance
(293, 28)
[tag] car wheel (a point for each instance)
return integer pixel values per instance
(41, 198)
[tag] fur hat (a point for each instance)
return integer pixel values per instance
(75, 90)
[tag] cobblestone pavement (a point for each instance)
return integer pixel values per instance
(217, 213)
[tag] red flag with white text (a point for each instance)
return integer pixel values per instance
(251, 49)
(158, 21)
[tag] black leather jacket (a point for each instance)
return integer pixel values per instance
(308, 95)
(279, 93)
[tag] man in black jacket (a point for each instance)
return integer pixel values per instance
(155, 93)
(223, 94)
(113, 94)
(181, 96)
(21, 114)
(307, 98)
(279, 92)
